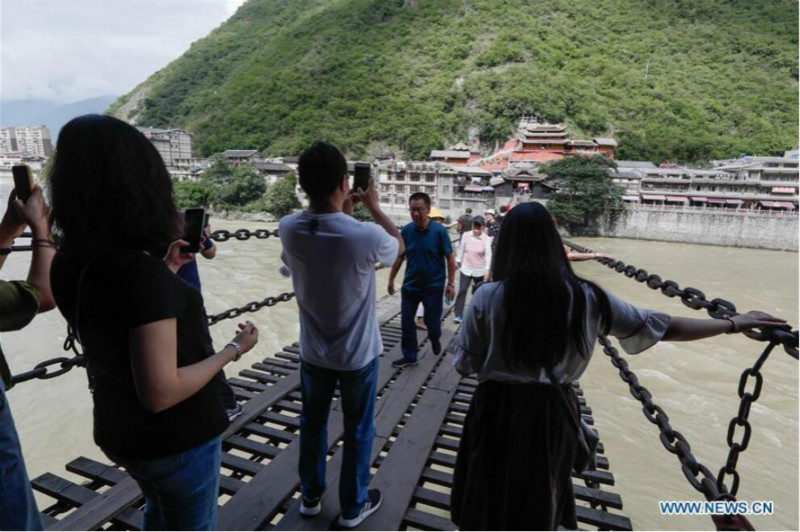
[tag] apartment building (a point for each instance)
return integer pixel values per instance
(30, 141)
(172, 144)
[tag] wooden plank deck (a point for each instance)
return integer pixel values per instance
(419, 419)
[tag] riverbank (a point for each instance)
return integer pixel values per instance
(714, 227)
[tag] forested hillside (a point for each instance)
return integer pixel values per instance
(680, 80)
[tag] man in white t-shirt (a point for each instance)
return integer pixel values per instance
(331, 258)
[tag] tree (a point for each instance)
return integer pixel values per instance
(584, 190)
(244, 186)
(190, 194)
(281, 199)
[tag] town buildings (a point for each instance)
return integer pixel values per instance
(172, 144)
(26, 141)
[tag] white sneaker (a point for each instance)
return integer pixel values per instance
(310, 507)
(373, 503)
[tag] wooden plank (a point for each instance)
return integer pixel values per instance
(259, 500)
(602, 520)
(47, 520)
(400, 472)
(288, 356)
(434, 476)
(241, 465)
(601, 477)
(280, 419)
(247, 385)
(437, 499)
(390, 409)
(106, 474)
(272, 369)
(426, 521)
(254, 447)
(259, 376)
(103, 508)
(229, 485)
(62, 489)
(597, 496)
(280, 436)
(131, 519)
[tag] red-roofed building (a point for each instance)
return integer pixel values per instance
(539, 142)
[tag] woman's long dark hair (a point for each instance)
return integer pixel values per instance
(544, 302)
(110, 188)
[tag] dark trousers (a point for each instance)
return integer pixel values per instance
(432, 303)
(463, 286)
(358, 390)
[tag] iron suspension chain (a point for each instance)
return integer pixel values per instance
(695, 299)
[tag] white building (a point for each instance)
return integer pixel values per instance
(172, 144)
(31, 141)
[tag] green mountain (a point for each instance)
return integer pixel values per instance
(681, 80)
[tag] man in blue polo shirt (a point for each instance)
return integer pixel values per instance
(431, 265)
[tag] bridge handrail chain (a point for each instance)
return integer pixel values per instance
(698, 475)
(695, 299)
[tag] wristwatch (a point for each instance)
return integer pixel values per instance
(238, 348)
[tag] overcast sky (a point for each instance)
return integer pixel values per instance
(70, 50)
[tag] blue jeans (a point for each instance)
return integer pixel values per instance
(181, 490)
(358, 390)
(432, 302)
(17, 506)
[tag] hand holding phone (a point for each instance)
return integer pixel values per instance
(23, 181)
(361, 176)
(193, 229)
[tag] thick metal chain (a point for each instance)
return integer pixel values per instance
(253, 306)
(747, 398)
(696, 299)
(698, 475)
(44, 370)
(224, 235)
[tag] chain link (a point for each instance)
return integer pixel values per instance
(223, 235)
(698, 475)
(696, 299)
(43, 370)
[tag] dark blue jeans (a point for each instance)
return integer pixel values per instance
(181, 490)
(432, 302)
(17, 506)
(358, 389)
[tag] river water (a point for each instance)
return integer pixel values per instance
(695, 383)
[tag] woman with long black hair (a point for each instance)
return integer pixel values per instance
(157, 411)
(527, 336)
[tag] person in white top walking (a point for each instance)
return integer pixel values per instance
(474, 260)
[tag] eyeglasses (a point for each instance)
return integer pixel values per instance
(418, 209)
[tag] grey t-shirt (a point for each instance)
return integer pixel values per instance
(331, 258)
(478, 346)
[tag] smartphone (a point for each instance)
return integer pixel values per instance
(206, 217)
(361, 176)
(193, 229)
(23, 181)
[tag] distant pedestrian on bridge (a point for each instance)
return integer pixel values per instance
(331, 258)
(527, 336)
(430, 264)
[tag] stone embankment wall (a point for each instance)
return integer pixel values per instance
(719, 228)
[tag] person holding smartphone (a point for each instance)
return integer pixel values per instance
(157, 411)
(331, 258)
(190, 273)
(20, 301)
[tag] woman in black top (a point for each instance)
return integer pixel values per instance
(527, 336)
(156, 409)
